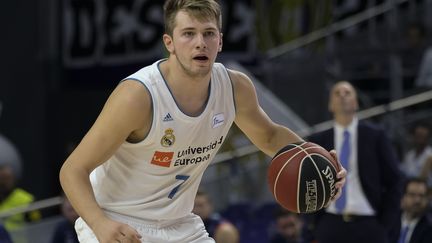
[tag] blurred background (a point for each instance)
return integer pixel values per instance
(60, 59)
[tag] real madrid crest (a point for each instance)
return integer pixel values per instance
(168, 139)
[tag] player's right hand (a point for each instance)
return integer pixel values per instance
(110, 231)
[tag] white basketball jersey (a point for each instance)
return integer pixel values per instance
(158, 177)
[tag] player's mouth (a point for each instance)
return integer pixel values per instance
(201, 58)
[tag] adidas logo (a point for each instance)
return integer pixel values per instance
(168, 117)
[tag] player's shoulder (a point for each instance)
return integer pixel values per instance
(237, 75)
(147, 73)
(240, 80)
(131, 94)
(131, 88)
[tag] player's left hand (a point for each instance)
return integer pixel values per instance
(341, 178)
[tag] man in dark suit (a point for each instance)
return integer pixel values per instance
(416, 227)
(368, 209)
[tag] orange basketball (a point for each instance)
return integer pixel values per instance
(302, 177)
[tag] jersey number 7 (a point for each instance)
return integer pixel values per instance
(183, 178)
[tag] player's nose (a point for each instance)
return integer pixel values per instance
(200, 42)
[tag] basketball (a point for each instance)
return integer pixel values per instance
(302, 177)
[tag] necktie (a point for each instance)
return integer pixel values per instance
(403, 234)
(344, 159)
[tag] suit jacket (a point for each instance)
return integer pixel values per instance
(422, 232)
(378, 171)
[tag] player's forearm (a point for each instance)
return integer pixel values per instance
(282, 137)
(271, 141)
(76, 185)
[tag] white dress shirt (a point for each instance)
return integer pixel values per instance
(411, 226)
(356, 201)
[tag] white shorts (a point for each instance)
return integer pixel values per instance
(189, 229)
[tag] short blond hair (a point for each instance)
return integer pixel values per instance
(200, 9)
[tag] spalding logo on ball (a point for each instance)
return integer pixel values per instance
(302, 177)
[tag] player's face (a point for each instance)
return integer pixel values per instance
(343, 99)
(415, 200)
(194, 44)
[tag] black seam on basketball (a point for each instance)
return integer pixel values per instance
(298, 184)
(334, 167)
(321, 156)
(280, 171)
(334, 175)
(319, 173)
(321, 178)
(317, 162)
(295, 146)
(282, 152)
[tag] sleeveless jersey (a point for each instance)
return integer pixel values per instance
(158, 177)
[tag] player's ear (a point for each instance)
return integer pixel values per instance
(168, 42)
(220, 42)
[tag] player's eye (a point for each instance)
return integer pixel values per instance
(209, 33)
(188, 33)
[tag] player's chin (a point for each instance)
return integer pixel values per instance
(202, 70)
(202, 65)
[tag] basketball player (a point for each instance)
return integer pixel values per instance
(134, 176)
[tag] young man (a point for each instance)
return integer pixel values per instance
(134, 176)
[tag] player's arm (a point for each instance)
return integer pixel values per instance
(226, 233)
(126, 112)
(268, 136)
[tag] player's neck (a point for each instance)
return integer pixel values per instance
(189, 93)
(178, 78)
